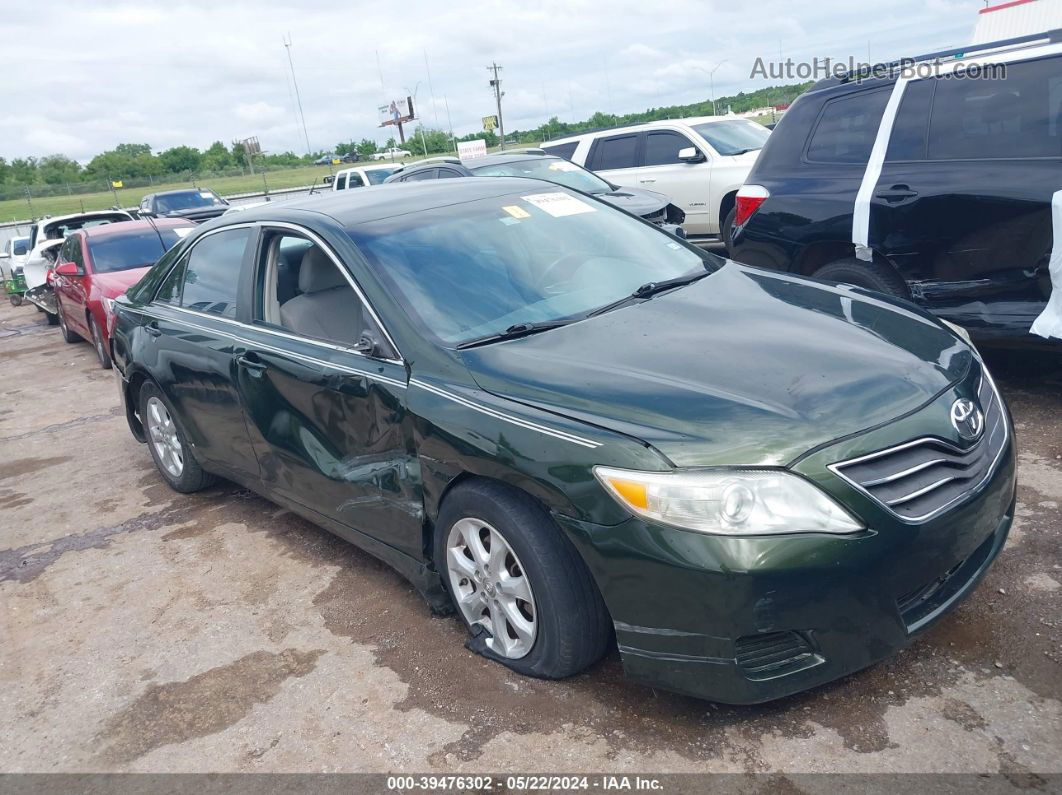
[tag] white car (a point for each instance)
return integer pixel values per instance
(391, 154)
(13, 257)
(700, 163)
(362, 176)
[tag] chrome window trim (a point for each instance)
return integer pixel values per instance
(316, 239)
(835, 467)
(563, 435)
(299, 356)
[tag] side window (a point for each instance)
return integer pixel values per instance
(620, 151)
(170, 289)
(145, 204)
(341, 182)
(563, 150)
(66, 251)
(1018, 117)
(417, 176)
(907, 141)
(355, 181)
(71, 252)
(302, 290)
(446, 173)
(212, 273)
(662, 148)
(847, 127)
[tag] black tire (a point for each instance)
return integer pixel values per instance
(37, 308)
(193, 477)
(51, 317)
(728, 231)
(871, 275)
(573, 625)
(68, 335)
(100, 346)
(15, 299)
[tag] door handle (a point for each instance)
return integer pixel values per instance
(251, 363)
(897, 193)
(153, 329)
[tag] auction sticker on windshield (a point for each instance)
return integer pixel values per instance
(558, 204)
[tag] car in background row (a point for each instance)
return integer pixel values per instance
(359, 177)
(536, 164)
(45, 235)
(13, 256)
(570, 426)
(699, 162)
(193, 204)
(328, 160)
(391, 154)
(941, 190)
(95, 266)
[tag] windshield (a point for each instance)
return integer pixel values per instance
(378, 175)
(469, 270)
(121, 252)
(188, 200)
(551, 169)
(734, 136)
(20, 246)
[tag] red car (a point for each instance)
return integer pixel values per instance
(99, 263)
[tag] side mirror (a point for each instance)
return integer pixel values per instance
(68, 269)
(329, 179)
(365, 345)
(691, 155)
(4, 255)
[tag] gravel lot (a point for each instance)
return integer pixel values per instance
(149, 631)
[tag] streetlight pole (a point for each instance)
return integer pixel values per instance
(711, 85)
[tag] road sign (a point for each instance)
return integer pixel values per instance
(490, 123)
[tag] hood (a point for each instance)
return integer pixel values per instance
(636, 200)
(743, 367)
(114, 284)
(199, 213)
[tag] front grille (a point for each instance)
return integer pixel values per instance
(774, 654)
(920, 479)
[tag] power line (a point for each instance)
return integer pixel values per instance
(298, 99)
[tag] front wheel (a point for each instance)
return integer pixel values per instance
(518, 583)
(68, 335)
(99, 344)
(51, 317)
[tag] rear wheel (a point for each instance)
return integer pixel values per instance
(871, 275)
(168, 445)
(99, 344)
(518, 583)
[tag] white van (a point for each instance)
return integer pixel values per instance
(700, 163)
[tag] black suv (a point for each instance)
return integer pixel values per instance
(952, 208)
(196, 204)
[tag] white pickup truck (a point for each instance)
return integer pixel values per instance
(391, 154)
(360, 176)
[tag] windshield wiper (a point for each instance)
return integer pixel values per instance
(514, 331)
(649, 289)
(743, 151)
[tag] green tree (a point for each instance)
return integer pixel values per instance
(24, 170)
(366, 147)
(58, 170)
(5, 171)
(216, 158)
(180, 159)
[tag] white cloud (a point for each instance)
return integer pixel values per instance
(198, 71)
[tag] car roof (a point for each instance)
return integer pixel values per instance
(639, 125)
(350, 208)
(132, 227)
(182, 190)
(501, 158)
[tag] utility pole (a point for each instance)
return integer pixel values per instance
(495, 84)
(298, 99)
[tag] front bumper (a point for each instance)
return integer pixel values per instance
(702, 614)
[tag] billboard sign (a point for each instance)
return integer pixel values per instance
(467, 150)
(396, 111)
(490, 123)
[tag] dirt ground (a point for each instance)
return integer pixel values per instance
(143, 630)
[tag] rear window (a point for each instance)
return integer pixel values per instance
(563, 150)
(847, 127)
(124, 252)
(1018, 117)
(378, 175)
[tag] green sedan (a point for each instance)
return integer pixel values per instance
(573, 429)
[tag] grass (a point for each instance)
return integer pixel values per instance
(18, 209)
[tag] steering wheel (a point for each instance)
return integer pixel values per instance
(556, 267)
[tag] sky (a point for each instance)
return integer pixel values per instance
(80, 77)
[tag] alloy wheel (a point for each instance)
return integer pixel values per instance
(490, 587)
(163, 434)
(97, 340)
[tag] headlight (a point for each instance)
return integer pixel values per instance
(728, 502)
(960, 332)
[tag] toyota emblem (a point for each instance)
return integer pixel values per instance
(967, 419)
